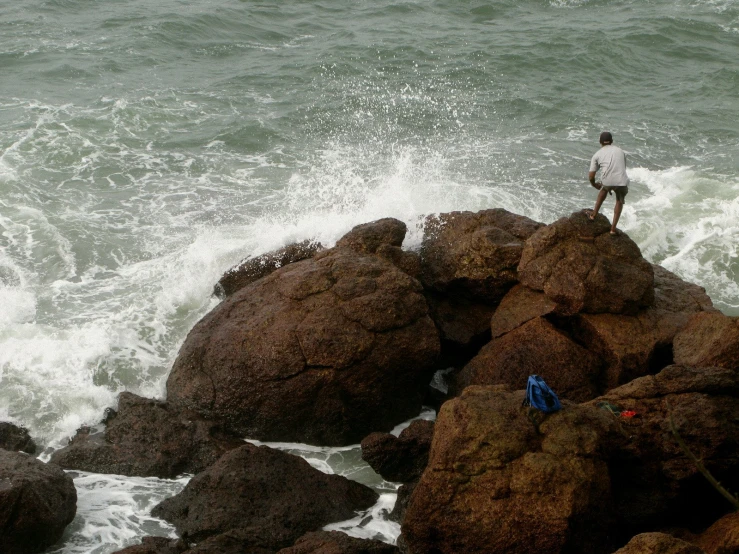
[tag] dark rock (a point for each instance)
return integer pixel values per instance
(335, 542)
(464, 324)
(634, 346)
(655, 483)
(581, 267)
(16, 438)
(148, 438)
(321, 351)
(536, 347)
(156, 545)
(267, 496)
(658, 543)
(471, 258)
(37, 501)
(401, 458)
(517, 307)
(369, 237)
(722, 537)
(497, 484)
(709, 339)
(252, 269)
(401, 502)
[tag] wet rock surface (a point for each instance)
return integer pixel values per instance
(402, 458)
(709, 339)
(579, 265)
(148, 438)
(15, 438)
(37, 502)
(335, 542)
(265, 496)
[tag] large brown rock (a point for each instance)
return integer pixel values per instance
(537, 347)
(156, 545)
(37, 501)
(579, 265)
(634, 346)
(369, 237)
(497, 484)
(252, 269)
(655, 482)
(468, 263)
(658, 543)
(709, 339)
(335, 542)
(16, 438)
(517, 307)
(402, 458)
(722, 537)
(148, 438)
(269, 497)
(323, 351)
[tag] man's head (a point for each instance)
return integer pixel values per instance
(606, 138)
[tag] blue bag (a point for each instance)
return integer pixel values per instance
(540, 396)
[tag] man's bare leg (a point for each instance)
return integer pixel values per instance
(616, 215)
(598, 202)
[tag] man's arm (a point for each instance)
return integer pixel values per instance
(591, 176)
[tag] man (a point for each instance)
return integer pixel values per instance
(611, 161)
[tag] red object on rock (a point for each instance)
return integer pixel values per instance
(628, 413)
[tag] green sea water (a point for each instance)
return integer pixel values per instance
(147, 146)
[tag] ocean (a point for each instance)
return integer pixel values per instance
(146, 146)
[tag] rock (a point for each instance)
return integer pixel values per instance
(655, 482)
(537, 347)
(658, 543)
(581, 267)
(634, 346)
(37, 501)
(369, 237)
(322, 351)
(401, 502)
(709, 339)
(496, 484)
(722, 537)
(252, 269)
(335, 542)
(16, 438)
(148, 438)
(517, 307)
(401, 458)
(156, 545)
(267, 495)
(468, 263)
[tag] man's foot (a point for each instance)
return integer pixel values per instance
(615, 232)
(590, 214)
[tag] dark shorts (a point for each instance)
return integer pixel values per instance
(621, 193)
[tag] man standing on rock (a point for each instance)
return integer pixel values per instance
(611, 161)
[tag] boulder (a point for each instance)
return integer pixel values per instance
(231, 542)
(335, 542)
(498, 483)
(519, 306)
(579, 265)
(536, 347)
(16, 438)
(252, 269)
(658, 543)
(468, 263)
(369, 237)
(401, 502)
(148, 438)
(722, 537)
(634, 346)
(156, 545)
(265, 496)
(322, 351)
(709, 339)
(37, 501)
(402, 458)
(655, 481)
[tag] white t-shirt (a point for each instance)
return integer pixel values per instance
(611, 161)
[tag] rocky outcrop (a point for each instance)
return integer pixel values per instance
(468, 263)
(156, 545)
(252, 269)
(402, 458)
(709, 339)
(335, 542)
(148, 438)
(658, 543)
(265, 496)
(323, 351)
(519, 306)
(498, 483)
(37, 501)
(536, 347)
(16, 438)
(579, 265)
(655, 482)
(722, 537)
